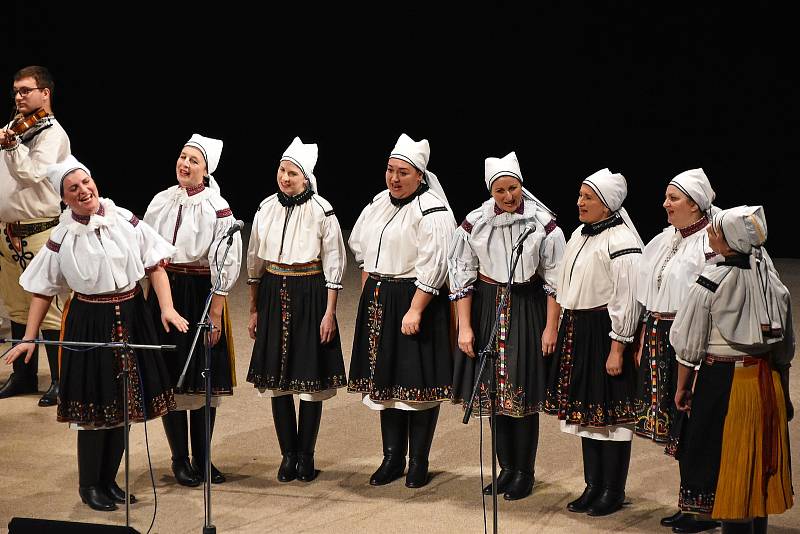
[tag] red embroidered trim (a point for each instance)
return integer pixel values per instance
(224, 213)
(52, 245)
(467, 226)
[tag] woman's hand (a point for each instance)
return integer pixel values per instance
(251, 324)
(170, 317)
(549, 338)
(327, 328)
(411, 322)
(216, 320)
(26, 349)
(683, 400)
(466, 340)
(614, 363)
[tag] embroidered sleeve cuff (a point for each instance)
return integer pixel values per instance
(333, 285)
(221, 293)
(162, 263)
(251, 281)
(622, 339)
(426, 288)
(550, 290)
(686, 363)
(461, 293)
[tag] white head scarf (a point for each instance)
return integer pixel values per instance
(508, 165)
(744, 227)
(417, 154)
(695, 184)
(612, 190)
(305, 157)
(212, 150)
(58, 171)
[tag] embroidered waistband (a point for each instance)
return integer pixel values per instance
(532, 280)
(740, 360)
(659, 316)
(112, 298)
(392, 279)
(184, 268)
(23, 230)
(295, 269)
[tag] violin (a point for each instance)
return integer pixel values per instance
(23, 124)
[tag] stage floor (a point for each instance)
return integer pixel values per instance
(40, 479)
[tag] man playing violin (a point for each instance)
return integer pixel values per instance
(29, 208)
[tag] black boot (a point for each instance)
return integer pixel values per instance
(24, 378)
(308, 428)
(505, 454)
(760, 525)
(616, 459)
(286, 428)
(50, 398)
(421, 427)
(90, 459)
(198, 435)
(671, 520)
(737, 527)
(592, 475)
(394, 433)
(113, 450)
(176, 428)
(689, 524)
(526, 441)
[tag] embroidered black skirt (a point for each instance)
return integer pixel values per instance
(189, 293)
(657, 380)
(91, 391)
(522, 370)
(287, 353)
(388, 365)
(579, 389)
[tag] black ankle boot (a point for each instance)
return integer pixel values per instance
(737, 527)
(616, 459)
(90, 458)
(308, 429)
(671, 519)
(113, 450)
(50, 398)
(592, 475)
(198, 436)
(689, 524)
(283, 415)
(394, 433)
(176, 428)
(505, 454)
(23, 379)
(421, 427)
(526, 441)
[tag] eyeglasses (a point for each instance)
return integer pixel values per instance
(23, 91)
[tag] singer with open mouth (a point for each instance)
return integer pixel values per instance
(511, 222)
(193, 216)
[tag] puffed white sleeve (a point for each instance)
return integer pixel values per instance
(256, 266)
(434, 235)
(154, 250)
(43, 275)
(334, 256)
(551, 254)
(462, 265)
(29, 165)
(227, 269)
(623, 306)
(692, 326)
(357, 236)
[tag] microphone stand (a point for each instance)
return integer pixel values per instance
(206, 324)
(489, 352)
(124, 346)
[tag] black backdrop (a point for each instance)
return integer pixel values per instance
(646, 89)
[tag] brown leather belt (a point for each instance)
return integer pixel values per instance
(483, 278)
(392, 279)
(295, 269)
(183, 268)
(23, 230)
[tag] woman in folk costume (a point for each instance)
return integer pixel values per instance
(194, 217)
(101, 251)
(736, 325)
(295, 261)
(592, 385)
(479, 262)
(401, 362)
(670, 264)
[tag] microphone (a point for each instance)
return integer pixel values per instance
(529, 229)
(237, 227)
